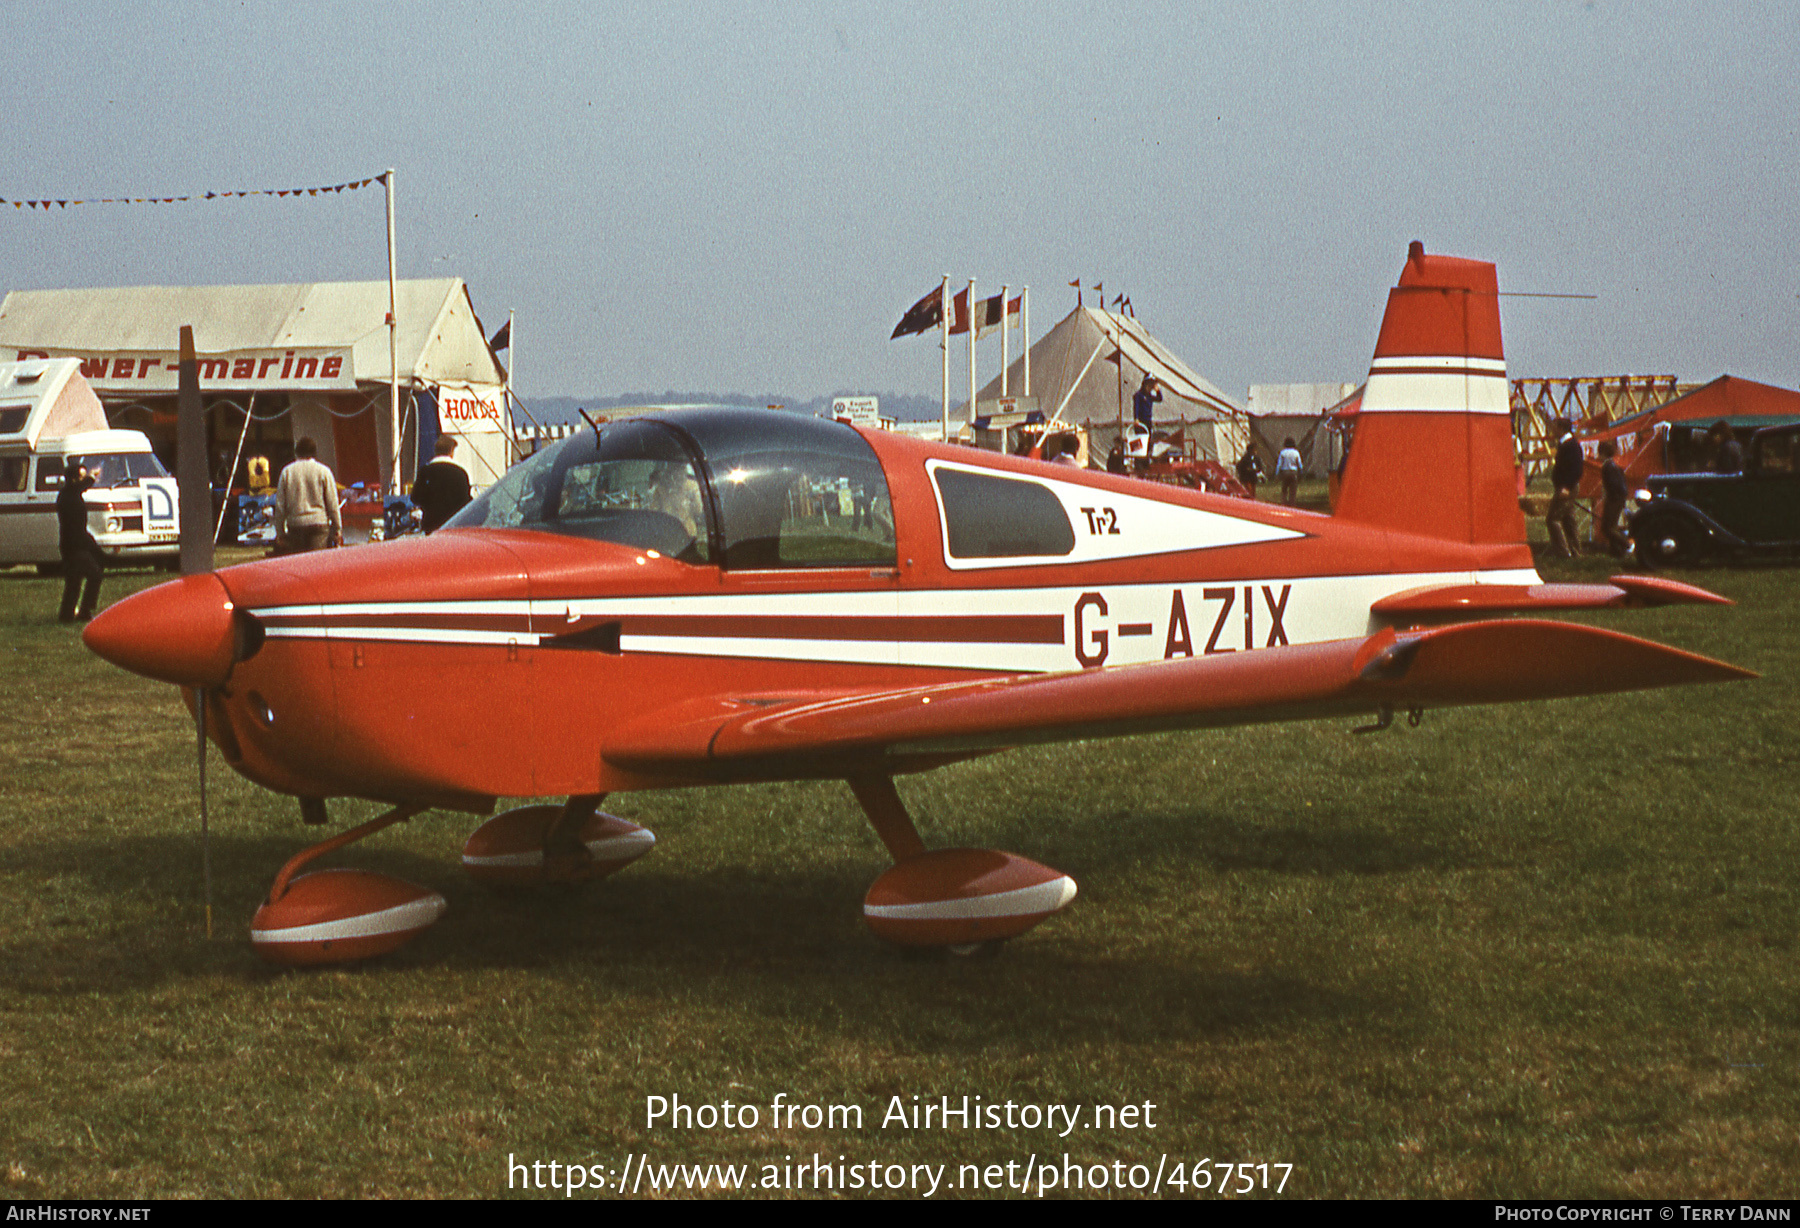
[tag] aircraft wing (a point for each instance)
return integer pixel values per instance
(747, 737)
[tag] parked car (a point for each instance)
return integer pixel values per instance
(1687, 518)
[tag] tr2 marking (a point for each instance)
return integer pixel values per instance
(1101, 521)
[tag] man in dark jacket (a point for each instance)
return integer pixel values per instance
(442, 488)
(82, 561)
(1249, 470)
(1613, 489)
(1565, 477)
(1728, 455)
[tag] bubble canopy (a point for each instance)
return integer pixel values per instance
(736, 488)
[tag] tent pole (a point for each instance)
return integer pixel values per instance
(393, 323)
(1121, 366)
(1057, 417)
(971, 352)
(1005, 351)
(1025, 332)
(512, 363)
(225, 504)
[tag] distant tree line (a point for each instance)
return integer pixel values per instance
(904, 406)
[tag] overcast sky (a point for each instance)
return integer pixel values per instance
(746, 197)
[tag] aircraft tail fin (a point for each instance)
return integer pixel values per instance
(1432, 453)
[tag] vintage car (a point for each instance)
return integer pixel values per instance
(1684, 518)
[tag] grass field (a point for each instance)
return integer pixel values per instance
(1543, 950)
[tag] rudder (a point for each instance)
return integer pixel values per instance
(1433, 451)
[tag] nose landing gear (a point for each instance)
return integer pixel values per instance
(337, 916)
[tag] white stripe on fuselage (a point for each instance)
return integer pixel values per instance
(1103, 624)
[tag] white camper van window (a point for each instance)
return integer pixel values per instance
(12, 474)
(123, 468)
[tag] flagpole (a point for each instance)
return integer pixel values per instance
(506, 400)
(1005, 350)
(393, 322)
(1025, 332)
(971, 353)
(944, 345)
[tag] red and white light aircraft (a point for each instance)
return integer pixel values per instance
(714, 596)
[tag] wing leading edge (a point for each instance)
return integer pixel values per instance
(763, 737)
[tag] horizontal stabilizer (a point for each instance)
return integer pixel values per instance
(760, 737)
(1444, 601)
(1511, 660)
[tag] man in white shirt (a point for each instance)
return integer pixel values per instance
(306, 504)
(1287, 468)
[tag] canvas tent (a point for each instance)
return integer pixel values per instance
(1072, 370)
(288, 360)
(1673, 437)
(1300, 412)
(1743, 403)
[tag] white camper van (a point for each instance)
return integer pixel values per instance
(48, 413)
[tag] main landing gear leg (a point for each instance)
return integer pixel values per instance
(566, 858)
(963, 899)
(335, 916)
(887, 814)
(571, 843)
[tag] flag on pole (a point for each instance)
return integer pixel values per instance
(959, 313)
(502, 339)
(922, 316)
(1076, 286)
(987, 316)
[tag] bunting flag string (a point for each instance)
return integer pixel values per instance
(352, 186)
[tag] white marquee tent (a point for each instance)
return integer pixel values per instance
(314, 357)
(1073, 370)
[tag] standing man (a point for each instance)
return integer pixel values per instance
(1249, 470)
(1287, 468)
(1565, 477)
(306, 504)
(1144, 401)
(442, 488)
(1728, 456)
(82, 560)
(1612, 501)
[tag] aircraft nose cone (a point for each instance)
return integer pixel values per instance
(182, 632)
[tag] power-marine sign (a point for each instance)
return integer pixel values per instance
(239, 370)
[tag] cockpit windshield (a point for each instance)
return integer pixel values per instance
(745, 488)
(635, 484)
(793, 491)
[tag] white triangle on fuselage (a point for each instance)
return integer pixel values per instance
(1111, 525)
